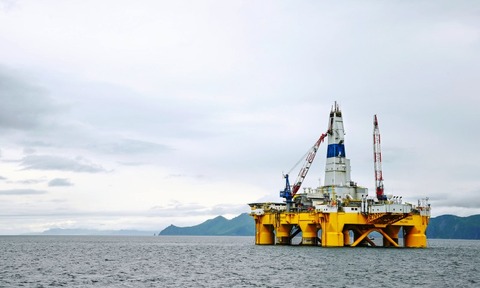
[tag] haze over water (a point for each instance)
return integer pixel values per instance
(171, 261)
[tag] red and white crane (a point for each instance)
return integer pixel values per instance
(306, 166)
(377, 158)
(289, 192)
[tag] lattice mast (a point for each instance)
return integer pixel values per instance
(377, 159)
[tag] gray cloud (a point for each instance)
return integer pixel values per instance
(28, 150)
(131, 163)
(177, 209)
(130, 146)
(3, 178)
(48, 162)
(197, 176)
(35, 143)
(466, 199)
(223, 209)
(22, 192)
(24, 106)
(8, 5)
(85, 124)
(28, 181)
(59, 182)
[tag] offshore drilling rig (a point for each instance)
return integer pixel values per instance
(340, 213)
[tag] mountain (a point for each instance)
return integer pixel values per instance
(60, 231)
(242, 225)
(454, 227)
(442, 227)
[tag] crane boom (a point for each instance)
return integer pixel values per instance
(308, 162)
(289, 192)
(377, 160)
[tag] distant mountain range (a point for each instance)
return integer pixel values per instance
(442, 227)
(79, 232)
(242, 225)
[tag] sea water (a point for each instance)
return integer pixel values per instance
(171, 261)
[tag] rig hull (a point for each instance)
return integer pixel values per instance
(338, 229)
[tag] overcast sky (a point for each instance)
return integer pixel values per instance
(140, 114)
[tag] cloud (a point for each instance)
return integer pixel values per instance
(131, 163)
(7, 5)
(3, 178)
(232, 209)
(28, 181)
(177, 209)
(59, 182)
(466, 199)
(24, 106)
(28, 150)
(197, 176)
(31, 144)
(22, 192)
(130, 146)
(83, 125)
(48, 162)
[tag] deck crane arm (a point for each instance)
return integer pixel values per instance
(288, 193)
(306, 166)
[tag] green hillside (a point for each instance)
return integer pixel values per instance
(454, 227)
(242, 225)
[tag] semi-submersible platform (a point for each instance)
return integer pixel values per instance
(340, 213)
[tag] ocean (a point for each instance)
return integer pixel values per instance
(190, 261)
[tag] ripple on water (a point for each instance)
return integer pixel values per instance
(101, 261)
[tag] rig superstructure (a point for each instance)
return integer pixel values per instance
(340, 213)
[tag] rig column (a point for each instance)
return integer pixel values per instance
(309, 233)
(263, 233)
(308, 223)
(415, 236)
(283, 234)
(332, 234)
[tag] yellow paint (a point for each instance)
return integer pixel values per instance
(263, 233)
(333, 229)
(282, 233)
